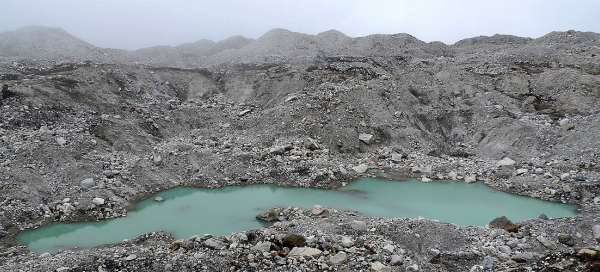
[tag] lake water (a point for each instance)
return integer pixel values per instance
(190, 211)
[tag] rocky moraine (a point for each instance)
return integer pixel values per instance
(86, 131)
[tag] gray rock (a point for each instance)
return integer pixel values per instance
(396, 260)
(546, 242)
(304, 252)
(379, 267)
(272, 215)
(88, 183)
(98, 201)
(157, 159)
(452, 175)
(347, 241)
(521, 171)
(264, 246)
(317, 210)
(244, 112)
(366, 138)
(596, 232)
(396, 157)
(215, 243)
(488, 264)
(358, 225)
(413, 267)
(522, 256)
(566, 239)
(471, 178)
(61, 141)
(597, 200)
(566, 124)
(130, 257)
(505, 162)
(338, 258)
(361, 168)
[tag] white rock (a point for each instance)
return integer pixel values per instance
(505, 162)
(304, 252)
(130, 257)
(425, 179)
(596, 232)
(379, 267)
(390, 248)
(471, 178)
(244, 112)
(61, 141)
(597, 200)
(452, 175)
(564, 176)
(98, 201)
(347, 241)
(521, 171)
(414, 267)
(397, 260)
(158, 199)
(361, 168)
(338, 258)
(366, 138)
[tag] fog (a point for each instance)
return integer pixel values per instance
(137, 23)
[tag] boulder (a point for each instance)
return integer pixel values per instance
(366, 138)
(396, 260)
(87, 183)
(98, 201)
(338, 258)
(471, 178)
(347, 241)
(358, 225)
(596, 233)
(505, 162)
(566, 239)
(504, 223)
(521, 171)
(270, 216)
(317, 210)
(546, 242)
(379, 267)
(304, 252)
(293, 240)
(61, 141)
(215, 243)
(361, 168)
(262, 246)
(396, 157)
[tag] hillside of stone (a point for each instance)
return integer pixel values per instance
(79, 122)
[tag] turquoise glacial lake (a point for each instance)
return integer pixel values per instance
(189, 211)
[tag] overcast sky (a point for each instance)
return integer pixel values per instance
(139, 23)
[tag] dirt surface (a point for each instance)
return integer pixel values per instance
(521, 115)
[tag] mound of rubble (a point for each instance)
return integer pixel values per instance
(80, 139)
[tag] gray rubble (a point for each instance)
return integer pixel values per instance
(85, 131)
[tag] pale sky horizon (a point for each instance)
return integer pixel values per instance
(135, 24)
